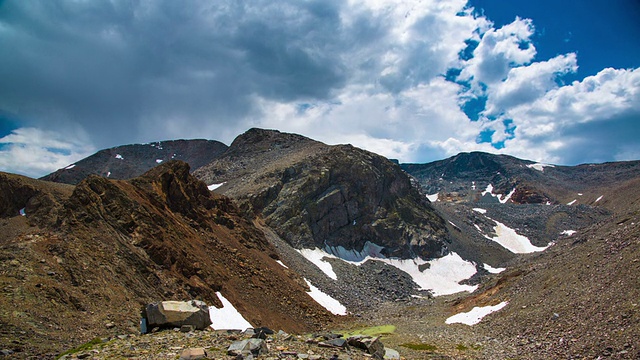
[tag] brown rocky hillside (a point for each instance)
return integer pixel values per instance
(83, 260)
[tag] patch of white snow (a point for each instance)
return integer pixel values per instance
(568, 232)
(326, 301)
(488, 190)
(214, 186)
(493, 270)
(70, 167)
(282, 264)
(109, 174)
(512, 241)
(433, 197)
(118, 156)
(158, 161)
(572, 202)
(539, 166)
(480, 210)
(506, 198)
(316, 257)
(473, 185)
(599, 198)
(227, 317)
(475, 315)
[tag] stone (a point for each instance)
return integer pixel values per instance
(391, 354)
(187, 328)
(193, 354)
(372, 345)
(254, 346)
(110, 325)
(170, 314)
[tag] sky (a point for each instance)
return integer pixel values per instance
(551, 81)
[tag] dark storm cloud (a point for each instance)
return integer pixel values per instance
(116, 67)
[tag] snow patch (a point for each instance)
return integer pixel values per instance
(493, 270)
(475, 315)
(473, 185)
(109, 174)
(118, 156)
(282, 264)
(512, 241)
(572, 202)
(316, 257)
(326, 301)
(502, 198)
(442, 276)
(227, 317)
(22, 213)
(433, 197)
(568, 232)
(539, 166)
(158, 161)
(599, 198)
(480, 210)
(214, 186)
(70, 167)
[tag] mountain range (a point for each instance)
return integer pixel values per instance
(268, 218)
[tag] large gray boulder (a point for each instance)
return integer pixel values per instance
(178, 313)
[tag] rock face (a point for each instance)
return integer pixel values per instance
(338, 198)
(129, 161)
(172, 314)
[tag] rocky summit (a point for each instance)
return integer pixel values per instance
(301, 250)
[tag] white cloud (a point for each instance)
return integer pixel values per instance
(34, 152)
(500, 50)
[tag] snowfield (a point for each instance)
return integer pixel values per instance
(214, 186)
(442, 277)
(512, 241)
(227, 317)
(475, 315)
(325, 300)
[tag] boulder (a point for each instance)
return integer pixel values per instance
(372, 345)
(172, 314)
(193, 354)
(248, 346)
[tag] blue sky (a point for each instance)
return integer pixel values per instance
(551, 81)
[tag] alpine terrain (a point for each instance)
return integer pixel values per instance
(477, 256)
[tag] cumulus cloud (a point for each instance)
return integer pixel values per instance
(34, 152)
(394, 77)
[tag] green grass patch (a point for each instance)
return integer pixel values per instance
(370, 331)
(84, 347)
(461, 347)
(420, 346)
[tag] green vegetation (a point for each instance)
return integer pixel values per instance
(421, 346)
(84, 347)
(370, 331)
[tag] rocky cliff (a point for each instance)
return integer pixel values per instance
(338, 198)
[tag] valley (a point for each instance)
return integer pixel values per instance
(273, 216)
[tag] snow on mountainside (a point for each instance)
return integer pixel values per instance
(509, 246)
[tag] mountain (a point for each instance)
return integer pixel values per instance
(81, 257)
(129, 161)
(401, 244)
(479, 177)
(338, 198)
